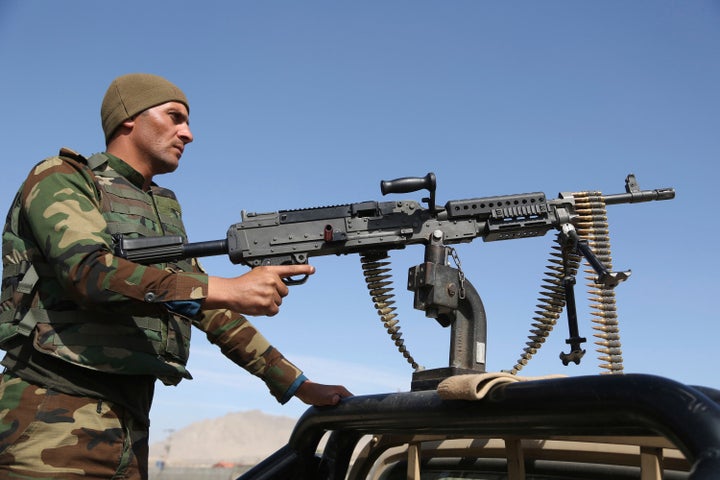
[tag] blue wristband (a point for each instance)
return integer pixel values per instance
(293, 388)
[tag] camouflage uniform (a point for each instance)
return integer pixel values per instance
(47, 434)
(97, 326)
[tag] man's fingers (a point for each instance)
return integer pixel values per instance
(285, 271)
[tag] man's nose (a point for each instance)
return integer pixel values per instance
(185, 134)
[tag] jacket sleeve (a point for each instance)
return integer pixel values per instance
(243, 344)
(61, 213)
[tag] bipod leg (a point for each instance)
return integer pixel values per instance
(574, 340)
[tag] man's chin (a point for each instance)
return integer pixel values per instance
(169, 167)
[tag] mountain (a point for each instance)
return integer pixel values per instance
(242, 438)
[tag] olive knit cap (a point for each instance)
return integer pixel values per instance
(131, 94)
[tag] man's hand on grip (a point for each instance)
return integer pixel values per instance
(258, 292)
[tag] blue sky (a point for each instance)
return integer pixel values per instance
(301, 104)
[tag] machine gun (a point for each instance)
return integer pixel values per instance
(373, 228)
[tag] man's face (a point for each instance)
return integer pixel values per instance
(160, 133)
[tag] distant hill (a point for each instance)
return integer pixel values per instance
(242, 438)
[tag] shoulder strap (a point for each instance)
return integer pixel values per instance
(69, 153)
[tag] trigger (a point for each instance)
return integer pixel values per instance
(291, 281)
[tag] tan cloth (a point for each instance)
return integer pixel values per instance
(476, 386)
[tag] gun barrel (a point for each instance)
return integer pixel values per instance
(640, 196)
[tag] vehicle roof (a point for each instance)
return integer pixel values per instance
(599, 408)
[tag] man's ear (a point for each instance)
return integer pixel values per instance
(123, 129)
(129, 123)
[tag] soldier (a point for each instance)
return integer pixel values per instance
(86, 332)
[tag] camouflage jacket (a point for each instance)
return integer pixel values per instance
(94, 309)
